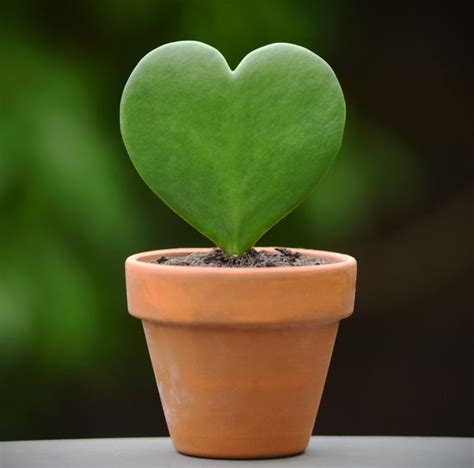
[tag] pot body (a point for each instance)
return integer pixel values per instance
(240, 355)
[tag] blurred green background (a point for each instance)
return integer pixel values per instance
(399, 198)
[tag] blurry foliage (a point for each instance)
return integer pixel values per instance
(67, 211)
(373, 174)
(72, 207)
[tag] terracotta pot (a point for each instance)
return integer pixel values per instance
(240, 355)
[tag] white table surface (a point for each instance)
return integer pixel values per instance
(340, 452)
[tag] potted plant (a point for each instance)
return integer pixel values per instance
(240, 338)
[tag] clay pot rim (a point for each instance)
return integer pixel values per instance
(142, 260)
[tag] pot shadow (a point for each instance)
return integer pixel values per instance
(262, 461)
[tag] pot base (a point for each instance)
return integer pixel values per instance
(242, 456)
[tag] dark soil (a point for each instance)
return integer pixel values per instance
(251, 259)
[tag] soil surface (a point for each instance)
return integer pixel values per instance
(251, 259)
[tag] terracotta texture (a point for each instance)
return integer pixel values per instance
(240, 355)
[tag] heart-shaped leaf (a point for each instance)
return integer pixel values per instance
(232, 152)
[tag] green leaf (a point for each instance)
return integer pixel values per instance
(232, 152)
